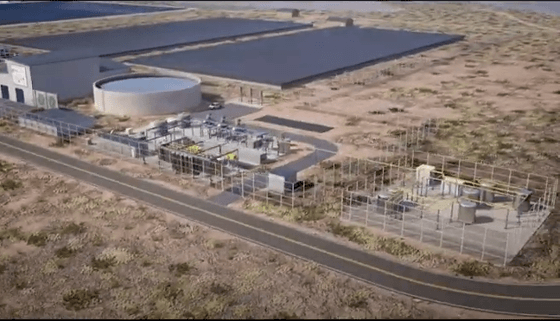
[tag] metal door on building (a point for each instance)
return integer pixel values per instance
(5, 92)
(19, 96)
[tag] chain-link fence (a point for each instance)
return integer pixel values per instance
(357, 181)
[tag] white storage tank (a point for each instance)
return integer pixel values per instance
(146, 94)
(471, 193)
(467, 211)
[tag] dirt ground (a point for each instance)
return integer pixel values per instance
(73, 251)
(499, 89)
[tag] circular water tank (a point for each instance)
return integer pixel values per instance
(467, 211)
(471, 193)
(145, 94)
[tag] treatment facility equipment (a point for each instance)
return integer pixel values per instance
(146, 94)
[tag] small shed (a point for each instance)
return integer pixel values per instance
(347, 22)
(294, 12)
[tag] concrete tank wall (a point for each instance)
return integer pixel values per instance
(146, 103)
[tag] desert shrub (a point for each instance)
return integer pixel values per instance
(14, 234)
(357, 299)
(38, 239)
(79, 299)
(180, 268)
(10, 184)
(283, 315)
(103, 263)
(427, 90)
(396, 110)
(73, 228)
(220, 289)
(64, 252)
(396, 247)
(352, 121)
(471, 268)
(169, 292)
(351, 232)
(5, 166)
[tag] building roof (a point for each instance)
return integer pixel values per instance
(52, 57)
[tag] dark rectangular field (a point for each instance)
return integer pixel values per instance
(294, 124)
(298, 58)
(139, 38)
(12, 13)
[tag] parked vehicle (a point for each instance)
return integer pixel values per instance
(215, 105)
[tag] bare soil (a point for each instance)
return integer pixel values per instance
(73, 251)
(499, 89)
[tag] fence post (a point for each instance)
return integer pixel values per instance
(402, 225)
(484, 243)
(350, 210)
(437, 221)
(203, 169)
(342, 203)
(222, 174)
(507, 217)
(293, 195)
(367, 209)
(462, 239)
(421, 229)
(384, 216)
(315, 189)
(451, 212)
(441, 238)
(506, 251)
(474, 175)
(242, 185)
(253, 186)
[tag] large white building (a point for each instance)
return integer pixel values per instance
(69, 75)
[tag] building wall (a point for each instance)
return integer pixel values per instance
(142, 104)
(6, 79)
(68, 79)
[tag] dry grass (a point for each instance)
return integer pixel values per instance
(70, 252)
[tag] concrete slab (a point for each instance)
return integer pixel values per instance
(294, 124)
(225, 198)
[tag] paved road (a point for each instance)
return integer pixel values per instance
(540, 300)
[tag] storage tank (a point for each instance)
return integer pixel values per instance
(467, 211)
(471, 193)
(146, 94)
(486, 191)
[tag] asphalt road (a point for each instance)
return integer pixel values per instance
(537, 300)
